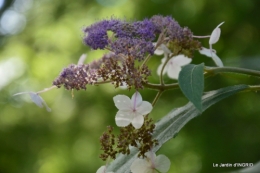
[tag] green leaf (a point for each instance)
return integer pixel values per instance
(191, 82)
(169, 126)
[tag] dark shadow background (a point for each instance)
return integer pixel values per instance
(40, 37)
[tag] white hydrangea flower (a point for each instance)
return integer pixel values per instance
(151, 164)
(131, 110)
(173, 67)
(102, 169)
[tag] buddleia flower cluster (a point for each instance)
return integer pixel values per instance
(130, 46)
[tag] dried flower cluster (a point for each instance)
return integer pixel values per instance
(129, 136)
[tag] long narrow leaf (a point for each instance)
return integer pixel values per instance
(171, 124)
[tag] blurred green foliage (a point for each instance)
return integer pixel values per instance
(67, 139)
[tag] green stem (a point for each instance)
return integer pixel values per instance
(216, 70)
(209, 71)
(46, 89)
(145, 61)
(164, 65)
(253, 88)
(158, 95)
(159, 87)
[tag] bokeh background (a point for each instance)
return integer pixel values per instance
(40, 37)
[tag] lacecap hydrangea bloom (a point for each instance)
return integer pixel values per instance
(129, 46)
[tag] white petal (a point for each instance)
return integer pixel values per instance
(163, 59)
(175, 65)
(124, 86)
(124, 118)
(214, 37)
(144, 108)
(216, 59)
(181, 60)
(165, 49)
(151, 156)
(207, 52)
(38, 100)
(162, 163)
(140, 166)
(138, 121)
(136, 100)
(159, 69)
(158, 51)
(102, 169)
(122, 102)
(82, 59)
(173, 71)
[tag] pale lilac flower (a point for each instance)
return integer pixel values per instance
(173, 66)
(102, 169)
(131, 110)
(151, 164)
